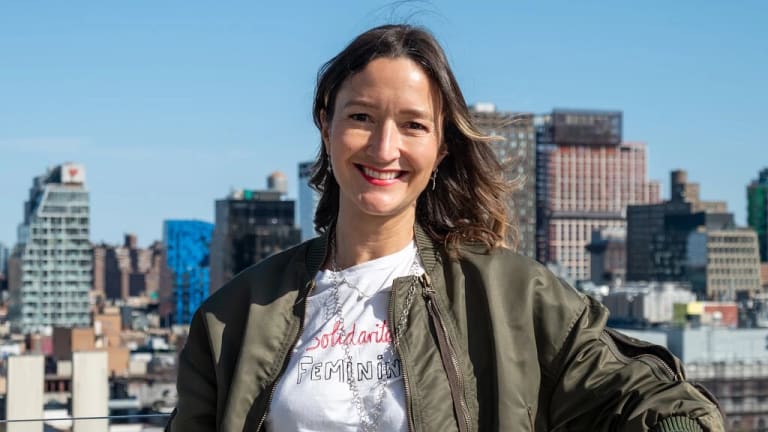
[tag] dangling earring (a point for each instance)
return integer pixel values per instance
(433, 178)
(329, 168)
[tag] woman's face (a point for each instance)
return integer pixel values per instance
(383, 139)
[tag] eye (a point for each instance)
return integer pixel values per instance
(416, 126)
(361, 117)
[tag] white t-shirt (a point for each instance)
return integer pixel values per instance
(313, 393)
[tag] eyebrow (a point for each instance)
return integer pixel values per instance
(414, 112)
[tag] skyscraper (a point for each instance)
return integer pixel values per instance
(250, 226)
(757, 211)
(53, 254)
(3, 259)
(308, 199)
(516, 150)
(187, 244)
(586, 177)
(3, 266)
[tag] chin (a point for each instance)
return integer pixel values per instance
(382, 210)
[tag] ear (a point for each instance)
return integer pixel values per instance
(442, 153)
(325, 131)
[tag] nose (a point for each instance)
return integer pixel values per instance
(384, 144)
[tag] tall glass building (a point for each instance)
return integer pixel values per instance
(250, 226)
(53, 256)
(516, 149)
(3, 259)
(187, 244)
(757, 211)
(308, 199)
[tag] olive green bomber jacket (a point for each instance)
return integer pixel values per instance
(493, 341)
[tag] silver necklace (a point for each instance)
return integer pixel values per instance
(369, 422)
(360, 294)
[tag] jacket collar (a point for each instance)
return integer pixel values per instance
(318, 250)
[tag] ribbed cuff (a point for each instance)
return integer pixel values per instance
(678, 424)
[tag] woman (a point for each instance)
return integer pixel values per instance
(407, 313)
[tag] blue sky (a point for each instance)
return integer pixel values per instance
(170, 104)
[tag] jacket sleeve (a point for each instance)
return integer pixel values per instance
(196, 383)
(601, 380)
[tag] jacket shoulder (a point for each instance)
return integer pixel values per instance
(502, 261)
(262, 276)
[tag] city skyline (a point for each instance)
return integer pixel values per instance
(170, 106)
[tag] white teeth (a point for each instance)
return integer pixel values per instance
(379, 175)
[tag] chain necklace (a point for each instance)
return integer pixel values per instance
(345, 281)
(369, 422)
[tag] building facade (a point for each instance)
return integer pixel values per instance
(608, 255)
(646, 304)
(4, 255)
(53, 256)
(724, 264)
(659, 235)
(516, 150)
(250, 226)
(187, 244)
(740, 387)
(308, 199)
(586, 177)
(757, 211)
(120, 272)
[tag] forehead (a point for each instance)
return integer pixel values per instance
(391, 81)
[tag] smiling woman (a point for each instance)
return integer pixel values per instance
(408, 313)
(382, 143)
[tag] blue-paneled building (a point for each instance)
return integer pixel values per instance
(187, 244)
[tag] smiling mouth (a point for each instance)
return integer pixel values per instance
(380, 175)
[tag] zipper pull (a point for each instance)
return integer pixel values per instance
(426, 282)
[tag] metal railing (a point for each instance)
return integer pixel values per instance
(154, 422)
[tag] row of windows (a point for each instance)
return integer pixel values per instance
(60, 243)
(46, 295)
(71, 317)
(734, 261)
(68, 267)
(81, 230)
(735, 282)
(49, 220)
(36, 306)
(733, 250)
(66, 197)
(731, 239)
(44, 259)
(732, 271)
(68, 253)
(70, 278)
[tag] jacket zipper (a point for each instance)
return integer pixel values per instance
(661, 363)
(396, 345)
(287, 359)
(455, 379)
(651, 358)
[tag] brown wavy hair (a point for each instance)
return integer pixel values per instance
(468, 201)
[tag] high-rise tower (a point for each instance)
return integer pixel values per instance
(757, 211)
(516, 150)
(586, 177)
(53, 274)
(308, 199)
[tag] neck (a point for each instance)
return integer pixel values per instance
(358, 240)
